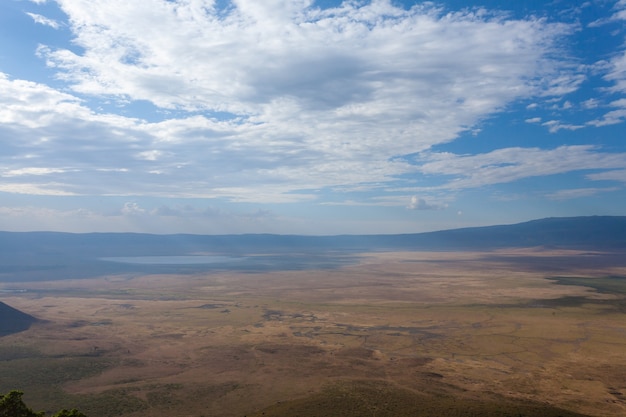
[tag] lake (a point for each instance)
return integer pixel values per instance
(174, 260)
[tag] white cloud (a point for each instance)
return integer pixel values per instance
(579, 193)
(152, 155)
(613, 175)
(418, 203)
(612, 70)
(619, 14)
(616, 74)
(315, 98)
(357, 59)
(533, 120)
(44, 20)
(618, 115)
(29, 171)
(555, 125)
(44, 188)
(131, 209)
(190, 220)
(512, 164)
(591, 103)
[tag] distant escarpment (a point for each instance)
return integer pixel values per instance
(53, 248)
(38, 256)
(13, 320)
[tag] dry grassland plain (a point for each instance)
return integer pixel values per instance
(472, 333)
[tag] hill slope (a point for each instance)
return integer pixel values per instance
(13, 320)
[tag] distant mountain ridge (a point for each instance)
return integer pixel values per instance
(565, 232)
(591, 232)
(28, 256)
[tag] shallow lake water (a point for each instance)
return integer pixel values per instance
(174, 260)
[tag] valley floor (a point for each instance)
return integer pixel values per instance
(529, 331)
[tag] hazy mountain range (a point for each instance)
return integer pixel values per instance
(54, 255)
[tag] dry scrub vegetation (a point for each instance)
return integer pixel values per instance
(399, 334)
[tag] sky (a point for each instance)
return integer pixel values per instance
(309, 117)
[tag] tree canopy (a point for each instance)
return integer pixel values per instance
(12, 405)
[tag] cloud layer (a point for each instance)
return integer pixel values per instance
(315, 97)
(277, 101)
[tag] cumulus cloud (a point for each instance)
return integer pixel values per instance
(418, 203)
(273, 101)
(132, 209)
(269, 99)
(358, 57)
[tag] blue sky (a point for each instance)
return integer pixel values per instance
(304, 117)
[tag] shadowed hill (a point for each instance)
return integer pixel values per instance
(13, 320)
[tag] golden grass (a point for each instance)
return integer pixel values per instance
(466, 325)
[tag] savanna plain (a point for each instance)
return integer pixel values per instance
(516, 332)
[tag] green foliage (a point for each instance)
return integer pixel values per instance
(11, 405)
(39, 370)
(614, 284)
(111, 403)
(69, 413)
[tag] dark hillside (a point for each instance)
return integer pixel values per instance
(13, 320)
